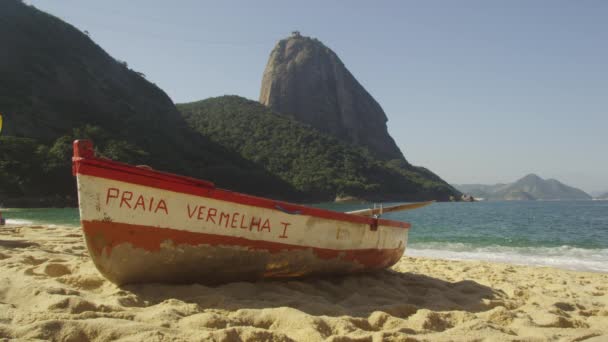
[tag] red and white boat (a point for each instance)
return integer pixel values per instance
(143, 225)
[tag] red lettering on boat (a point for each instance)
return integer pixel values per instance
(126, 200)
(161, 206)
(284, 235)
(140, 202)
(265, 226)
(191, 213)
(255, 224)
(224, 216)
(243, 221)
(234, 220)
(201, 213)
(150, 205)
(211, 216)
(110, 195)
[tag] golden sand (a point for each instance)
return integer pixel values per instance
(50, 290)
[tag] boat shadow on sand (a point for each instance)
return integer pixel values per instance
(395, 293)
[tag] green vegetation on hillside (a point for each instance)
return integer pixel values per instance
(316, 164)
(34, 174)
(56, 84)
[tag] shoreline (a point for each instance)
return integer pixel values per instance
(50, 289)
(562, 257)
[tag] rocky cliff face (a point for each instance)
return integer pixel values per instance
(306, 80)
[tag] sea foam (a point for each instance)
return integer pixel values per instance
(567, 257)
(18, 222)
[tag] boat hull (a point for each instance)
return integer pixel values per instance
(173, 256)
(146, 226)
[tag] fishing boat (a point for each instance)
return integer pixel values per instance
(143, 225)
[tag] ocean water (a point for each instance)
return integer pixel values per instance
(564, 234)
(42, 216)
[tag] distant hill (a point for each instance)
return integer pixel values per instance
(530, 187)
(56, 84)
(315, 163)
(603, 196)
(306, 80)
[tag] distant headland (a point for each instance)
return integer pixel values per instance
(528, 188)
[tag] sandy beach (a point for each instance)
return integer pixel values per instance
(50, 290)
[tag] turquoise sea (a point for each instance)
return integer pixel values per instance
(565, 234)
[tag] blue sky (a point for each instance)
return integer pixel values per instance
(477, 91)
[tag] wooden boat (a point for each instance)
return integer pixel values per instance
(143, 225)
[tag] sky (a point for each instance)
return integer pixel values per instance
(477, 91)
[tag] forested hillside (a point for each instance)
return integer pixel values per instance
(320, 166)
(56, 84)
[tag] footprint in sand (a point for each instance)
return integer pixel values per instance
(56, 270)
(61, 291)
(426, 320)
(501, 316)
(85, 282)
(553, 320)
(564, 306)
(401, 311)
(76, 305)
(73, 235)
(30, 260)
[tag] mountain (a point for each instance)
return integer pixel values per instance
(549, 189)
(530, 187)
(56, 84)
(306, 80)
(602, 196)
(314, 163)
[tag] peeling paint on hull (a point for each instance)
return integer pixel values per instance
(175, 257)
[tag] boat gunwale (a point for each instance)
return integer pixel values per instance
(86, 163)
